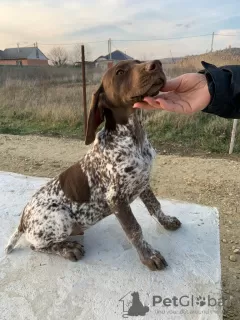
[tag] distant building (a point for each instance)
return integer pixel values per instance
(88, 64)
(29, 56)
(105, 62)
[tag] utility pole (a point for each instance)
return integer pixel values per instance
(172, 56)
(84, 89)
(37, 52)
(212, 41)
(110, 48)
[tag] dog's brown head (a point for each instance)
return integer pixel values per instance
(122, 86)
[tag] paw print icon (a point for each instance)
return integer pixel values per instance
(201, 301)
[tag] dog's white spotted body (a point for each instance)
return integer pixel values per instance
(119, 168)
(106, 180)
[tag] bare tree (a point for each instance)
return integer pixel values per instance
(58, 56)
(75, 55)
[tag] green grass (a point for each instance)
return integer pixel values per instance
(11, 125)
(177, 133)
(197, 132)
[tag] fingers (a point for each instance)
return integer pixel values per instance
(166, 101)
(162, 104)
(171, 106)
(147, 104)
(154, 104)
(157, 102)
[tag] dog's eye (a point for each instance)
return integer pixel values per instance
(120, 71)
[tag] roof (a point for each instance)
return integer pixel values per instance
(22, 53)
(1, 54)
(101, 58)
(116, 55)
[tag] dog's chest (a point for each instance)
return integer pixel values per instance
(125, 164)
(134, 173)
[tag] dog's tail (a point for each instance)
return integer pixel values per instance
(13, 240)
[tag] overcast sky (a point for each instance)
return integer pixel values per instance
(67, 22)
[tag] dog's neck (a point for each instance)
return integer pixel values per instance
(137, 128)
(133, 128)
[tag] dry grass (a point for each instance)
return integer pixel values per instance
(219, 58)
(43, 109)
(43, 103)
(193, 63)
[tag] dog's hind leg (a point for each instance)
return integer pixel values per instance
(49, 233)
(154, 208)
(70, 250)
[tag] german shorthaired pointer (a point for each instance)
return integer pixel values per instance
(108, 178)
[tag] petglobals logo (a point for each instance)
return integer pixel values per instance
(133, 305)
(187, 301)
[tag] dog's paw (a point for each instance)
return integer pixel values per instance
(170, 223)
(153, 259)
(73, 251)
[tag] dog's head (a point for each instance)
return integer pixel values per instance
(135, 295)
(122, 85)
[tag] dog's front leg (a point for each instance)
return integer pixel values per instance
(149, 257)
(154, 208)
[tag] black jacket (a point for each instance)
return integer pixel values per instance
(224, 88)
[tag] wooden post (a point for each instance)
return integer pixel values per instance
(234, 129)
(212, 41)
(84, 90)
(110, 49)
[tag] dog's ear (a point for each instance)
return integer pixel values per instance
(95, 117)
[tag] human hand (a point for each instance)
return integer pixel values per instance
(187, 94)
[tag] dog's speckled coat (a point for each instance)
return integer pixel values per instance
(106, 180)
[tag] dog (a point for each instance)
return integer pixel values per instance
(137, 308)
(111, 175)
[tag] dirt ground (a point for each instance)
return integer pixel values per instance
(204, 180)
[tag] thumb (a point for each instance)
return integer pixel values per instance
(172, 84)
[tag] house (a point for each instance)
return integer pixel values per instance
(105, 62)
(29, 56)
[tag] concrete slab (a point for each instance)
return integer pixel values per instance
(110, 282)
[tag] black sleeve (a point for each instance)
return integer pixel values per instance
(224, 88)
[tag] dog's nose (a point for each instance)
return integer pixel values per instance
(153, 65)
